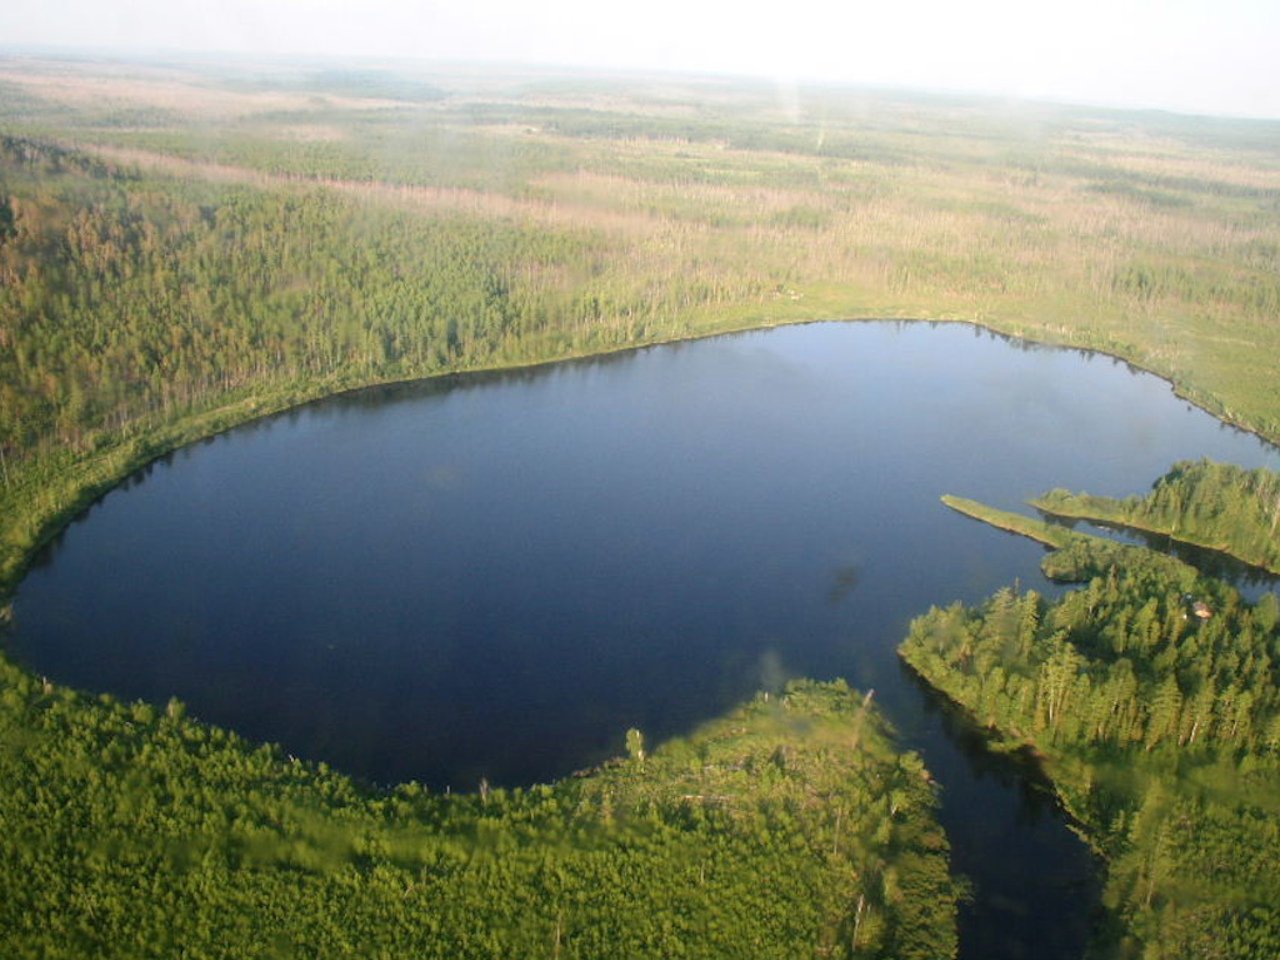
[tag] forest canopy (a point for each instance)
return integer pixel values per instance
(788, 828)
(1153, 695)
(1216, 505)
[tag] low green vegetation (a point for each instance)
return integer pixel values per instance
(1215, 505)
(1152, 695)
(1050, 534)
(789, 828)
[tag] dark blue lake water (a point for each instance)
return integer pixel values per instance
(496, 577)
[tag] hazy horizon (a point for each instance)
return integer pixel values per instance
(1190, 56)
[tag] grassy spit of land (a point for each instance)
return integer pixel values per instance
(1051, 535)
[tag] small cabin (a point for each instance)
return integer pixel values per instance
(1201, 610)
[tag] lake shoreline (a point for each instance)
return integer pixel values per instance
(804, 508)
(77, 486)
(1130, 526)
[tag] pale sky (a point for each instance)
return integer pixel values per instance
(1191, 56)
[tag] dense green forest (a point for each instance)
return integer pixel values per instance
(183, 249)
(1152, 695)
(789, 828)
(1216, 505)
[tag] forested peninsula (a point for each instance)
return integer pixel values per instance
(1215, 505)
(183, 249)
(1152, 696)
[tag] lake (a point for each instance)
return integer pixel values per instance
(496, 576)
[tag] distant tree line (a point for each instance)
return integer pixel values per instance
(129, 300)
